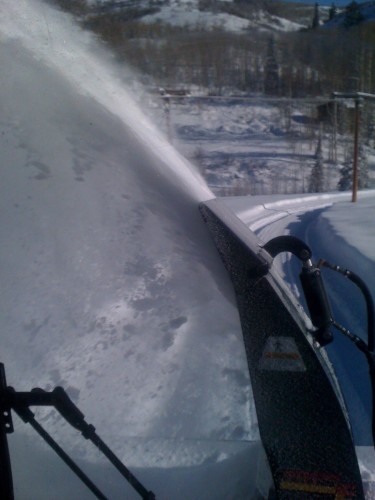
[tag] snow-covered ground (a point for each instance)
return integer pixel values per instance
(256, 146)
(111, 285)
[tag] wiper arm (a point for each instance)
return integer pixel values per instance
(59, 399)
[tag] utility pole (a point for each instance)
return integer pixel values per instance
(358, 97)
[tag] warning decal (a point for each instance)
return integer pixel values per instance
(317, 483)
(281, 354)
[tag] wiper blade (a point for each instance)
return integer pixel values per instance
(59, 399)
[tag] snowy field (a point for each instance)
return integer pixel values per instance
(111, 285)
(256, 146)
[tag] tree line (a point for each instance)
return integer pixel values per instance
(309, 62)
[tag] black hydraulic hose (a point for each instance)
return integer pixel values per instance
(318, 303)
(362, 346)
(367, 295)
(367, 349)
(288, 243)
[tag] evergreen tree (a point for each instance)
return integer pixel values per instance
(363, 177)
(316, 182)
(316, 18)
(346, 177)
(332, 12)
(271, 70)
(353, 14)
(370, 129)
(346, 173)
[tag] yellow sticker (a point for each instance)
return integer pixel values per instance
(281, 354)
(319, 483)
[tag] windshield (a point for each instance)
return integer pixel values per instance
(117, 121)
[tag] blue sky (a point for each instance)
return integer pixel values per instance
(338, 3)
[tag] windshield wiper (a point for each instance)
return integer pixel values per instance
(20, 402)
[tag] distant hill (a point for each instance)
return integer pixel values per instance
(232, 16)
(276, 48)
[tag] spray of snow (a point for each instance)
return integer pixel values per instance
(112, 286)
(59, 43)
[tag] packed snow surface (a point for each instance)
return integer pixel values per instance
(112, 286)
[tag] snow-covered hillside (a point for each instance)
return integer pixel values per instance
(183, 13)
(196, 15)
